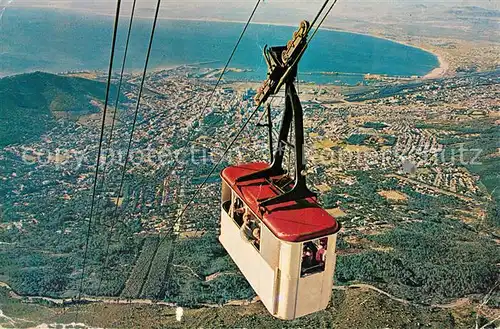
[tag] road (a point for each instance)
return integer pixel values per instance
(138, 301)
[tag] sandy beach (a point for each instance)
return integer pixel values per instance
(440, 71)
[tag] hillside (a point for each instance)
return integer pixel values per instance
(31, 102)
(350, 308)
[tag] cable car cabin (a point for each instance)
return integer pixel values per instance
(271, 225)
(286, 251)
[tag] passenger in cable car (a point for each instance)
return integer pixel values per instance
(321, 254)
(248, 226)
(256, 235)
(313, 257)
(238, 211)
(307, 259)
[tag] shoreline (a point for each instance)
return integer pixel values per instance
(439, 71)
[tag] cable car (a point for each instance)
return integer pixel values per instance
(271, 224)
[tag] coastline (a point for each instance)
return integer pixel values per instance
(438, 72)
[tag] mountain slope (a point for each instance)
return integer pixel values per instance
(28, 103)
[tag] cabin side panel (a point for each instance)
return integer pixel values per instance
(309, 294)
(267, 284)
(315, 290)
(226, 192)
(255, 269)
(269, 247)
(330, 263)
(290, 254)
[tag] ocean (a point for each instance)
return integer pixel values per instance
(61, 41)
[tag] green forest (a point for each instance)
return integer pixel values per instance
(429, 262)
(366, 139)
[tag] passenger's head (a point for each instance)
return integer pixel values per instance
(247, 216)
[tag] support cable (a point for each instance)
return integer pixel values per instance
(233, 141)
(317, 15)
(117, 102)
(137, 105)
(200, 187)
(210, 98)
(101, 139)
(207, 104)
(257, 108)
(230, 58)
(136, 111)
(130, 24)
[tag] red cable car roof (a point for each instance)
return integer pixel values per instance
(289, 221)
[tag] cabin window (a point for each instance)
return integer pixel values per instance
(250, 228)
(237, 210)
(226, 197)
(249, 224)
(226, 205)
(313, 256)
